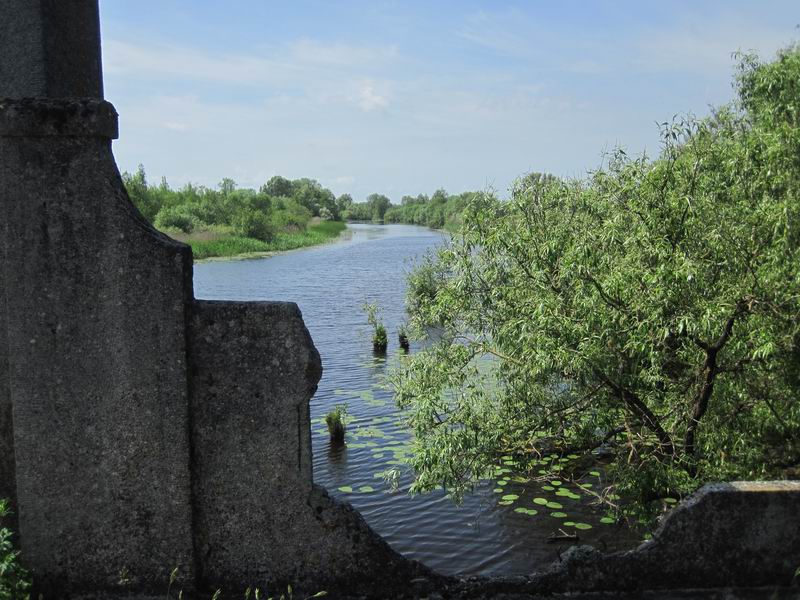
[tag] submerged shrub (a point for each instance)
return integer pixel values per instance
(336, 422)
(380, 340)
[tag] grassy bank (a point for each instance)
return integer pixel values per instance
(220, 242)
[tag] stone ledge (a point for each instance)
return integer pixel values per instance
(43, 117)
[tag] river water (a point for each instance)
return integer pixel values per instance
(330, 283)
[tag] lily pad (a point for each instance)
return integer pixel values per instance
(346, 489)
(559, 515)
(506, 502)
(607, 520)
(582, 526)
(595, 473)
(526, 511)
(555, 482)
(498, 490)
(569, 523)
(548, 488)
(540, 501)
(670, 500)
(366, 489)
(510, 497)
(554, 505)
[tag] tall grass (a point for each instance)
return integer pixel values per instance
(232, 245)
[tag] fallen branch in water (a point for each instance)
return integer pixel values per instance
(562, 536)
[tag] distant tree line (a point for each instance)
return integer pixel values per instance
(281, 204)
(440, 211)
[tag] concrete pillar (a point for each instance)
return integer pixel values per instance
(94, 309)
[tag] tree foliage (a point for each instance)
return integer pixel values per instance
(280, 204)
(653, 305)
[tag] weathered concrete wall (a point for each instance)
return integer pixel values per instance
(95, 308)
(50, 49)
(253, 370)
(8, 482)
(727, 535)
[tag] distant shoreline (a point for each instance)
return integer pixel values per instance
(208, 247)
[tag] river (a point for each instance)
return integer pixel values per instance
(330, 283)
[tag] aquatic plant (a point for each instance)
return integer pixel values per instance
(336, 422)
(380, 341)
(402, 338)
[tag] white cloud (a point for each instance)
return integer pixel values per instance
(368, 98)
(340, 55)
(297, 62)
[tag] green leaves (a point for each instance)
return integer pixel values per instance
(656, 297)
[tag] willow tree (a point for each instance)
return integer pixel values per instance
(654, 305)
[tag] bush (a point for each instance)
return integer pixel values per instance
(14, 580)
(336, 420)
(178, 217)
(253, 224)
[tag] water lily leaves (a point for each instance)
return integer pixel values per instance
(368, 432)
(670, 500)
(356, 445)
(510, 497)
(379, 475)
(572, 456)
(595, 473)
(366, 489)
(506, 502)
(582, 526)
(607, 520)
(558, 515)
(526, 511)
(519, 479)
(346, 489)
(548, 488)
(498, 490)
(554, 505)
(586, 485)
(569, 523)
(555, 482)
(540, 501)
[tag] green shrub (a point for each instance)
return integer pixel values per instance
(253, 224)
(177, 217)
(336, 420)
(379, 338)
(14, 580)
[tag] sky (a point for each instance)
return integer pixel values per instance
(405, 97)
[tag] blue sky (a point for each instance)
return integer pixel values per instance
(405, 97)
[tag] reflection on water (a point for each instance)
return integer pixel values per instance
(331, 283)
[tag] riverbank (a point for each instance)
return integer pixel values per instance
(221, 244)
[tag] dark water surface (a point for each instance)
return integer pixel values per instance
(330, 283)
